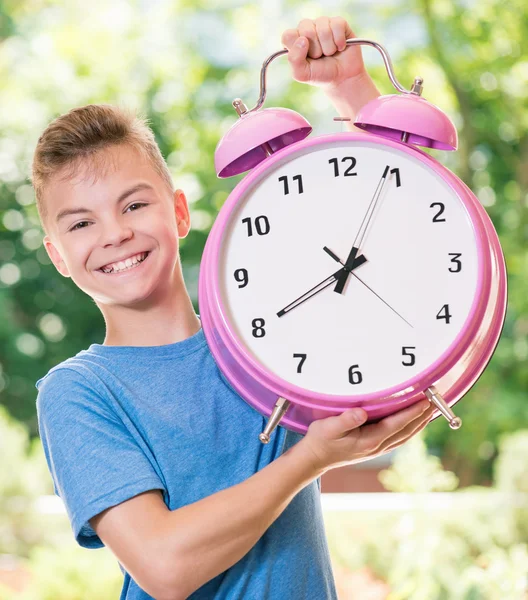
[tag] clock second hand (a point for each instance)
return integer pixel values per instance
(336, 258)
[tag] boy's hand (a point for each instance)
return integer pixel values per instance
(337, 441)
(323, 37)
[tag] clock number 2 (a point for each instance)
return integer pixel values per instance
(258, 328)
(355, 376)
(303, 358)
(441, 208)
(297, 178)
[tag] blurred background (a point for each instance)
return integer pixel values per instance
(445, 516)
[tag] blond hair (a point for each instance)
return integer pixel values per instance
(75, 139)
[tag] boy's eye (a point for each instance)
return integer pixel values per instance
(79, 225)
(137, 204)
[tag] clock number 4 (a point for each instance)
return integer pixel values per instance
(444, 313)
(262, 225)
(297, 178)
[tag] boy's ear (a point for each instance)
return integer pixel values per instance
(55, 257)
(183, 217)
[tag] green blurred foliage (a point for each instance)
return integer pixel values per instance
(181, 64)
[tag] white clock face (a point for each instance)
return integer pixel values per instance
(398, 312)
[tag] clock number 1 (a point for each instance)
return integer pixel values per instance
(355, 376)
(297, 178)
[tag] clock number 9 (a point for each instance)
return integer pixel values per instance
(258, 328)
(241, 273)
(347, 173)
(412, 358)
(354, 377)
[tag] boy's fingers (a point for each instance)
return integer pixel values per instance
(297, 58)
(341, 425)
(325, 36)
(289, 37)
(408, 432)
(339, 29)
(306, 28)
(393, 424)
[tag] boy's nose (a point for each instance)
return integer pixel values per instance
(115, 234)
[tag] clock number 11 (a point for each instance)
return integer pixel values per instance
(297, 178)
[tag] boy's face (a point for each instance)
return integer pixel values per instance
(128, 211)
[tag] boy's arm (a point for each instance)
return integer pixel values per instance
(170, 554)
(318, 55)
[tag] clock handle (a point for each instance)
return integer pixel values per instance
(435, 398)
(416, 89)
(279, 411)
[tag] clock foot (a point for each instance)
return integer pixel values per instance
(435, 398)
(278, 412)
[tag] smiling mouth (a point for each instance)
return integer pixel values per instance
(123, 266)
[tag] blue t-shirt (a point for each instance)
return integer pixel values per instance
(116, 421)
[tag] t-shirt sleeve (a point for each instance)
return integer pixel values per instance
(94, 461)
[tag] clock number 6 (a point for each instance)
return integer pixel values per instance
(354, 377)
(258, 328)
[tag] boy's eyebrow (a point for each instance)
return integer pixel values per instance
(75, 211)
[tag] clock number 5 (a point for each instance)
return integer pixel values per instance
(412, 358)
(355, 376)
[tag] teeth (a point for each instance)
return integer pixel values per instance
(124, 264)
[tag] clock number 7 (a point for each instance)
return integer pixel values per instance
(303, 358)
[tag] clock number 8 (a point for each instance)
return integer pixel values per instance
(258, 328)
(354, 377)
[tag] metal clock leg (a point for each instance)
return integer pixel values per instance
(280, 409)
(435, 398)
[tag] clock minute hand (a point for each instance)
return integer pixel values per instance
(342, 279)
(320, 286)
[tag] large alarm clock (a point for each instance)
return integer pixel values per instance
(350, 269)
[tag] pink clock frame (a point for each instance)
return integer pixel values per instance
(453, 374)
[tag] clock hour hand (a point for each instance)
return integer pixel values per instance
(336, 258)
(358, 242)
(321, 286)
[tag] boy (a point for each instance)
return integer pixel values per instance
(138, 432)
